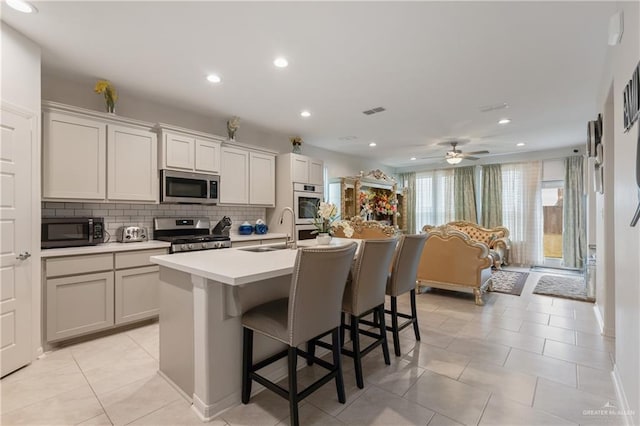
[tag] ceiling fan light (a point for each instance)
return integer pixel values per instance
(454, 160)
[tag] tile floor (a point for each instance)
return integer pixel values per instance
(518, 360)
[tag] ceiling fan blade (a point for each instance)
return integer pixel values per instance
(477, 152)
(431, 158)
(468, 157)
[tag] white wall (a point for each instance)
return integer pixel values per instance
(20, 86)
(623, 60)
(78, 91)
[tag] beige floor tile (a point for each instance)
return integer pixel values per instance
(578, 354)
(138, 399)
(596, 381)
(479, 350)
(429, 319)
(326, 398)
(542, 366)
(584, 325)
(41, 386)
(440, 420)
(178, 413)
(516, 340)
(100, 352)
(596, 342)
(525, 315)
(501, 411)
(504, 323)
(46, 363)
(434, 336)
(309, 415)
(67, 408)
(378, 407)
(548, 332)
(500, 381)
(265, 408)
(438, 360)
(396, 378)
(101, 420)
(456, 400)
(551, 310)
(572, 404)
(452, 325)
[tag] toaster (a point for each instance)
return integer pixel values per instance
(131, 234)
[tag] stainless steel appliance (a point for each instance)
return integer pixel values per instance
(304, 232)
(189, 188)
(188, 234)
(131, 234)
(306, 199)
(71, 231)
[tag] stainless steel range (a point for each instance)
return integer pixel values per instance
(188, 234)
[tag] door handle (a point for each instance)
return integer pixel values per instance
(24, 256)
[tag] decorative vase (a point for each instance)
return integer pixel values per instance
(323, 238)
(296, 149)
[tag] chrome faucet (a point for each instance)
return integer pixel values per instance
(290, 240)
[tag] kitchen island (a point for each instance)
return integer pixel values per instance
(202, 297)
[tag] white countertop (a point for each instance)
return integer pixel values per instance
(237, 266)
(256, 237)
(103, 248)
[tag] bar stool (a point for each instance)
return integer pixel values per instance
(403, 279)
(312, 309)
(363, 295)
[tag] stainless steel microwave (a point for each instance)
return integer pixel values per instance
(189, 188)
(71, 231)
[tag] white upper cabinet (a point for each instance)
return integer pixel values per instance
(306, 170)
(234, 176)
(262, 179)
(132, 169)
(73, 157)
(188, 150)
(93, 156)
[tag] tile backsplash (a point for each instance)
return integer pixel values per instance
(120, 214)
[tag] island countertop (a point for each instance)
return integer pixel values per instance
(237, 266)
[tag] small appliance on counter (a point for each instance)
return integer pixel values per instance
(71, 231)
(222, 227)
(245, 229)
(131, 234)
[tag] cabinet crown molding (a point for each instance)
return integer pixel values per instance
(88, 113)
(163, 127)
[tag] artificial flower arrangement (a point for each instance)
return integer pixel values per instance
(105, 88)
(377, 202)
(232, 127)
(296, 140)
(365, 200)
(326, 221)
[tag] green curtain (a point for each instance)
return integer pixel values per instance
(574, 234)
(464, 194)
(491, 195)
(409, 179)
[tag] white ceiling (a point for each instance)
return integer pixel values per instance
(430, 64)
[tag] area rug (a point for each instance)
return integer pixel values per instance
(565, 287)
(508, 282)
(556, 271)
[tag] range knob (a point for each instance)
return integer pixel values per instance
(183, 247)
(205, 245)
(218, 244)
(190, 246)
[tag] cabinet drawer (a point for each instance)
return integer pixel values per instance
(71, 265)
(133, 259)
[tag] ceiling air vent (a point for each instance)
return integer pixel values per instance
(373, 111)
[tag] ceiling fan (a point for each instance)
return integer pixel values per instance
(455, 156)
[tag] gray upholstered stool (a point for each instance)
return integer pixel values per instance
(363, 295)
(312, 309)
(402, 280)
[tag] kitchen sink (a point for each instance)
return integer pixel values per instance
(261, 249)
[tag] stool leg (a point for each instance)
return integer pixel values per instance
(383, 333)
(293, 385)
(394, 325)
(414, 315)
(311, 350)
(337, 363)
(357, 356)
(342, 327)
(247, 363)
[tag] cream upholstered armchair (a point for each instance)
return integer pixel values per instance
(452, 261)
(496, 239)
(366, 229)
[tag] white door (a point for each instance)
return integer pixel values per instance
(15, 242)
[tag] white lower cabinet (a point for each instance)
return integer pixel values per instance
(88, 293)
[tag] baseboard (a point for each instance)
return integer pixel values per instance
(623, 404)
(604, 330)
(182, 393)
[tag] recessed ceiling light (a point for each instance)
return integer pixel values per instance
(22, 6)
(214, 78)
(281, 62)
(413, 158)
(520, 144)
(305, 114)
(504, 121)
(372, 144)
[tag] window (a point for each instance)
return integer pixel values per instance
(434, 198)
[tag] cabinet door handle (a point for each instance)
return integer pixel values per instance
(24, 256)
